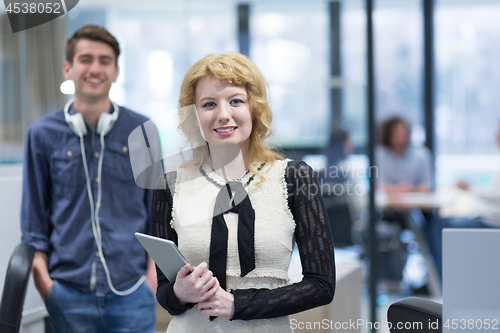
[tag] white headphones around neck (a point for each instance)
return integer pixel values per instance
(104, 125)
(77, 123)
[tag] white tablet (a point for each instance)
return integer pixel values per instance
(164, 253)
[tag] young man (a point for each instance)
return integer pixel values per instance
(81, 206)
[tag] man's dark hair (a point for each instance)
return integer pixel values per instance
(387, 128)
(94, 33)
(338, 135)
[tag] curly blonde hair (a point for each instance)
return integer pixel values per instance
(241, 72)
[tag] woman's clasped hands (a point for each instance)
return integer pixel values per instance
(198, 285)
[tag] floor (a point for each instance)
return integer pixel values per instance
(389, 291)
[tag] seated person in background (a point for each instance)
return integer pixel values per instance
(486, 216)
(401, 167)
(339, 147)
(339, 190)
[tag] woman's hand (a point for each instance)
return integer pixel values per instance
(220, 305)
(194, 286)
(151, 279)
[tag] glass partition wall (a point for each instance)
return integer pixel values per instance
(467, 83)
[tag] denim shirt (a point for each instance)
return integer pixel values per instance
(55, 209)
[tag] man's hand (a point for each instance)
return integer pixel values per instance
(220, 305)
(40, 270)
(404, 186)
(194, 286)
(463, 185)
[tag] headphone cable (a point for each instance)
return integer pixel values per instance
(94, 218)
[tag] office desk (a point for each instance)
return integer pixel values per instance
(345, 307)
(412, 204)
(409, 200)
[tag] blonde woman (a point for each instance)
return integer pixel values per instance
(236, 211)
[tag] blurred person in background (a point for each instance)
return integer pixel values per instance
(487, 215)
(401, 167)
(338, 149)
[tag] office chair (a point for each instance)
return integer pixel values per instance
(340, 219)
(14, 290)
(414, 314)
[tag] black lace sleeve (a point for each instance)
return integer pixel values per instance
(312, 234)
(161, 215)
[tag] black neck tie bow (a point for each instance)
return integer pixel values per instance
(232, 198)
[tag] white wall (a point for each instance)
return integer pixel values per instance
(10, 236)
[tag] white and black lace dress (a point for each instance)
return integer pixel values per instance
(288, 208)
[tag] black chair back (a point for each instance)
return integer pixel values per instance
(414, 314)
(14, 290)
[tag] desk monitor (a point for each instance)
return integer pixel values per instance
(471, 280)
